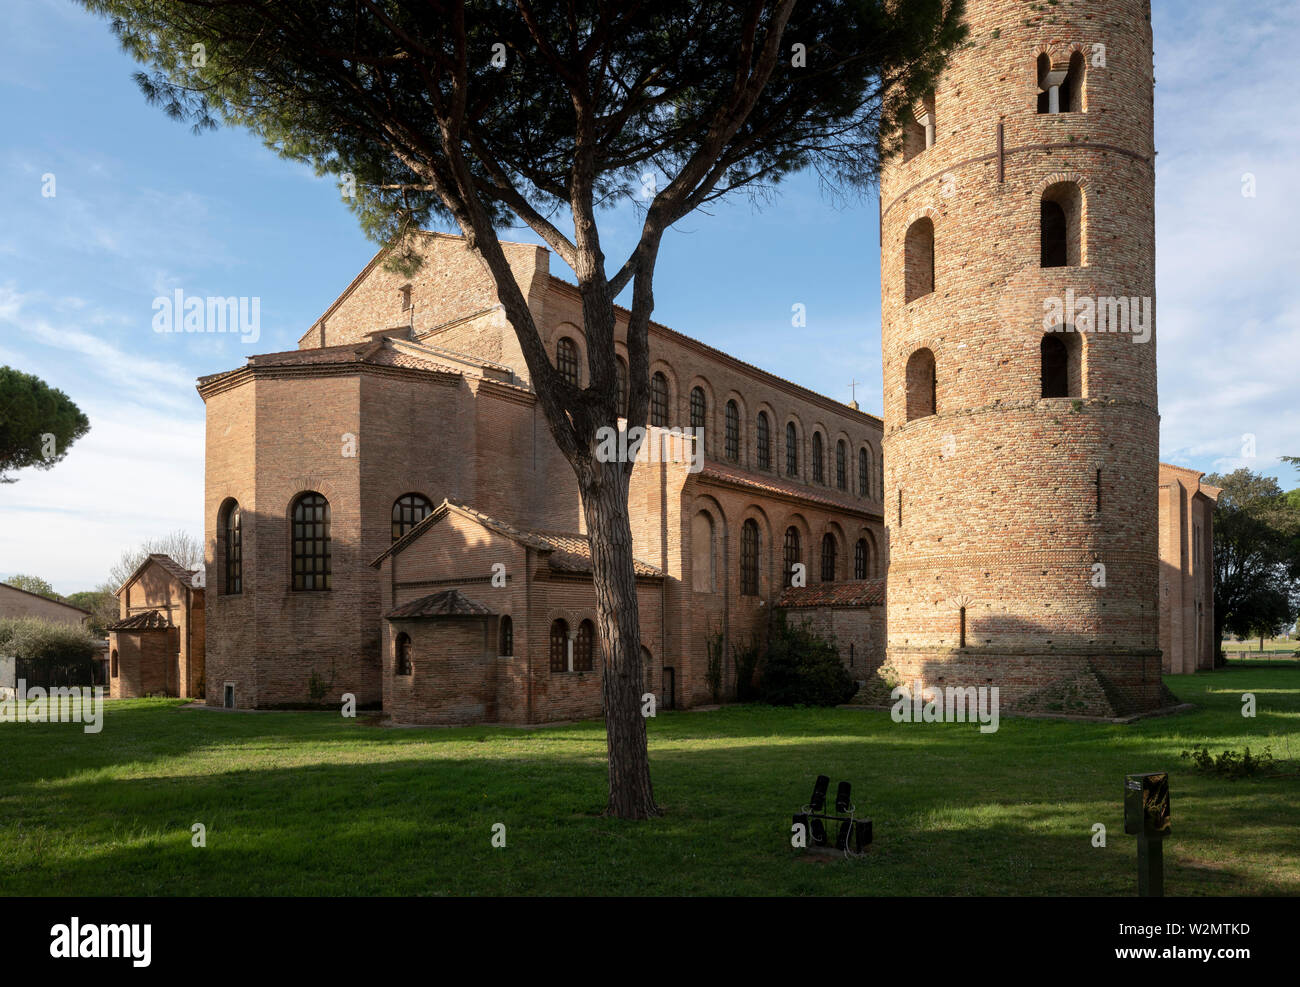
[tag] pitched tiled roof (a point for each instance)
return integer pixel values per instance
(448, 603)
(769, 483)
(168, 564)
(847, 593)
(565, 551)
(150, 620)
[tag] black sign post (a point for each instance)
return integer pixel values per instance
(1146, 816)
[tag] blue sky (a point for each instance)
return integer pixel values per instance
(143, 207)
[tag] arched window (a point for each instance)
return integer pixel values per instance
(749, 556)
(584, 646)
(918, 259)
(566, 359)
(506, 638)
(1059, 353)
(861, 559)
(919, 131)
(764, 440)
(1072, 89)
(864, 473)
(841, 465)
(818, 466)
(1045, 83)
(408, 511)
(311, 542)
(1061, 224)
(790, 553)
(828, 558)
(559, 646)
(699, 413)
(402, 655)
(232, 581)
(791, 450)
(659, 400)
(920, 385)
(732, 437)
(113, 670)
(1061, 90)
(620, 370)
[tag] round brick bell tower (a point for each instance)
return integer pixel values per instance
(1021, 427)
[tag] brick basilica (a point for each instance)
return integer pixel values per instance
(387, 515)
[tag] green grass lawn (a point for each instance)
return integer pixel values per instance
(309, 803)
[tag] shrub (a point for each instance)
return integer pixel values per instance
(803, 669)
(45, 642)
(744, 659)
(1230, 763)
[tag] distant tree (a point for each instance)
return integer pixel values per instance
(486, 114)
(61, 651)
(34, 584)
(38, 423)
(183, 547)
(103, 607)
(1256, 556)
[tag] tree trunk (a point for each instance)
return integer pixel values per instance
(604, 502)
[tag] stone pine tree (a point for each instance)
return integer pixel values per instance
(491, 114)
(38, 423)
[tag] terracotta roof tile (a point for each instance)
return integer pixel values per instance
(448, 603)
(846, 593)
(150, 620)
(769, 483)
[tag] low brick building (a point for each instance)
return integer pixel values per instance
(851, 614)
(15, 602)
(157, 646)
(1186, 570)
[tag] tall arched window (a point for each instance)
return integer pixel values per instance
(861, 559)
(920, 385)
(732, 437)
(584, 646)
(828, 558)
(408, 511)
(699, 413)
(704, 553)
(311, 542)
(764, 441)
(506, 637)
(791, 450)
(659, 400)
(1059, 354)
(790, 553)
(864, 473)
(918, 259)
(818, 464)
(566, 359)
(620, 370)
(559, 646)
(749, 555)
(232, 581)
(402, 655)
(841, 465)
(1061, 226)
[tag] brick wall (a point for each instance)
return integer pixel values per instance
(992, 502)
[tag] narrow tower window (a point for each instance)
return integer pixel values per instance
(1061, 226)
(1062, 374)
(921, 385)
(918, 259)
